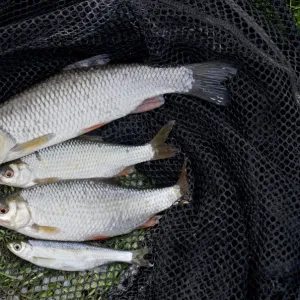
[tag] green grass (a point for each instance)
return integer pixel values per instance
(23, 279)
(295, 5)
(26, 281)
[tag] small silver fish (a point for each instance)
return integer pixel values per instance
(73, 256)
(81, 99)
(79, 210)
(83, 158)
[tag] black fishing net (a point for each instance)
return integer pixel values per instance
(238, 238)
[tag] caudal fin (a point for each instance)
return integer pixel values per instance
(183, 182)
(138, 257)
(162, 150)
(208, 81)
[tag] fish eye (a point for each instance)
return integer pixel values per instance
(4, 210)
(17, 246)
(9, 174)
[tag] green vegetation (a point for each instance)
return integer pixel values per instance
(23, 279)
(295, 5)
(26, 281)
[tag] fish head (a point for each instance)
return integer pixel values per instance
(14, 212)
(5, 145)
(22, 249)
(17, 174)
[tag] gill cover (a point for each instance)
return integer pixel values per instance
(16, 174)
(14, 213)
(22, 249)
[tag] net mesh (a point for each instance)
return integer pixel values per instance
(239, 236)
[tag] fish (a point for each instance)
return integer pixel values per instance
(85, 97)
(66, 256)
(86, 209)
(82, 158)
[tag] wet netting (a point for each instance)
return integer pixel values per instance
(238, 234)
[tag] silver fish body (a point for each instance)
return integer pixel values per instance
(81, 210)
(76, 101)
(73, 256)
(83, 158)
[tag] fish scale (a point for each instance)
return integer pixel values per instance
(89, 153)
(73, 256)
(105, 210)
(87, 157)
(71, 102)
(85, 88)
(78, 210)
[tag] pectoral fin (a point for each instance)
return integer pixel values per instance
(46, 180)
(33, 144)
(37, 259)
(45, 229)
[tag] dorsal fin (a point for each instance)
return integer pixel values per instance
(94, 61)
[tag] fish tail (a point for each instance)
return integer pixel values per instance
(162, 150)
(182, 183)
(208, 81)
(138, 257)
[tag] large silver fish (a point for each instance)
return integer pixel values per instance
(77, 101)
(73, 256)
(79, 210)
(83, 158)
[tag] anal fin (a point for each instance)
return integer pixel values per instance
(151, 222)
(86, 130)
(126, 171)
(99, 238)
(149, 104)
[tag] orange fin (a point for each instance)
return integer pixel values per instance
(149, 104)
(46, 229)
(86, 130)
(99, 237)
(126, 171)
(151, 222)
(33, 144)
(46, 180)
(162, 150)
